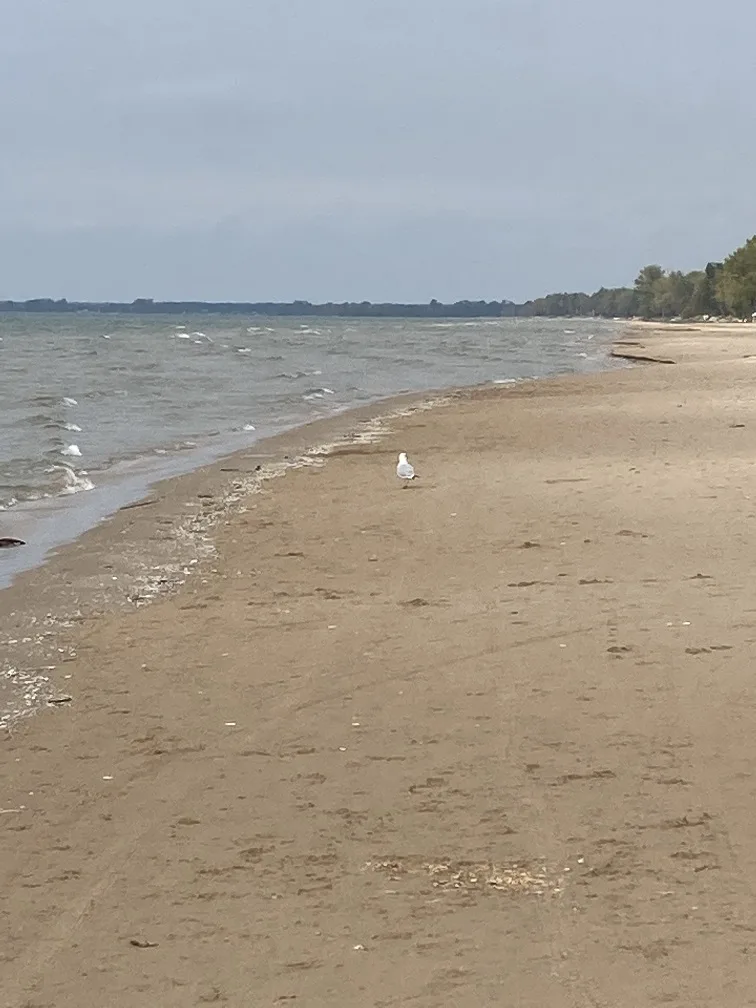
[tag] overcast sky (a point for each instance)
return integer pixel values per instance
(369, 149)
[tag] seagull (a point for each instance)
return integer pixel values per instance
(404, 470)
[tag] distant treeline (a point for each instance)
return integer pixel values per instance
(721, 289)
(348, 309)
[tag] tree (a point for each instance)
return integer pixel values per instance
(736, 285)
(703, 298)
(648, 290)
(626, 303)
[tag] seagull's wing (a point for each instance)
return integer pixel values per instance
(405, 471)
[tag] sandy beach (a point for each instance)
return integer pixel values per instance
(486, 740)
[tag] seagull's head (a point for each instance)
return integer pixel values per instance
(402, 456)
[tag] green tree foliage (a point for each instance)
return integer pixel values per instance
(704, 299)
(647, 287)
(718, 289)
(736, 283)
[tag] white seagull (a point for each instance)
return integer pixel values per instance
(404, 470)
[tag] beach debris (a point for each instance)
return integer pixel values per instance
(515, 878)
(405, 470)
(142, 943)
(53, 701)
(107, 777)
(137, 504)
(646, 358)
(7, 811)
(29, 688)
(359, 948)
(8, 542)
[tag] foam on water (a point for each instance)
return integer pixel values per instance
(74, 482)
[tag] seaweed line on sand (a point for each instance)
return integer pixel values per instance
(30, 689)
(516, 878)
(192, 537)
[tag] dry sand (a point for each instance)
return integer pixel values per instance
(488, 740)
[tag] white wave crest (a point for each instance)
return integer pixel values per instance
(74, 482)
(72, 450)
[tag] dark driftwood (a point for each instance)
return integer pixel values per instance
(641, 357)
(136, 504)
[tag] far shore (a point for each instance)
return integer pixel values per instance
(320, 740)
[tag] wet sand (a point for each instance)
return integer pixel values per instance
(485, 740)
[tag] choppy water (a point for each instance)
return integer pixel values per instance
(129, 391)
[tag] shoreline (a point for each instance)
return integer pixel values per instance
(56, 519)
(71, 581)
(61, 521)
(92, 523)
(490, 734)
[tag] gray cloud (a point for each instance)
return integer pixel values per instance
(369, 148)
